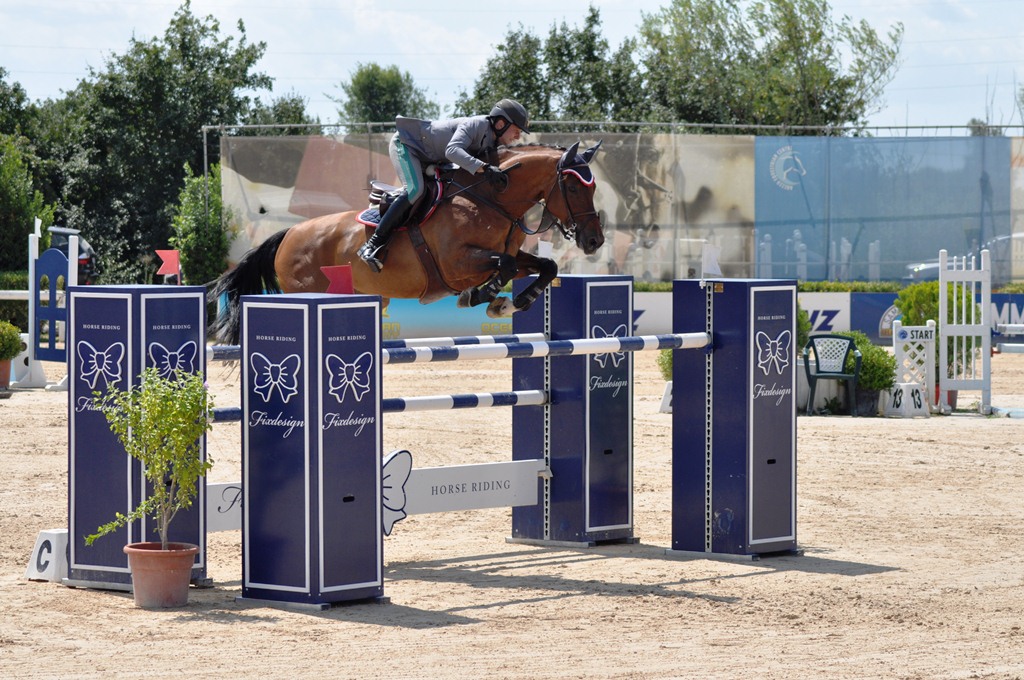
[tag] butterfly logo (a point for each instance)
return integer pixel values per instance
(170, 363)
(345, 377)
(396, 471)
(772, 352)
(616, 357)
(98, 364)
(270, 377)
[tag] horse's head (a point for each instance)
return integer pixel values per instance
(571, 199)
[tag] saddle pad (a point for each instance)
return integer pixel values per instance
(369, 217)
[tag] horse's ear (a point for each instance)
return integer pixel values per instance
(570, 153)
(591, 152)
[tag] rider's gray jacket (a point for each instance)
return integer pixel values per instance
(458, 140)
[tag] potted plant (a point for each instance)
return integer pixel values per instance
(160, 422)
(10, 347)
(918, 303)
(877, 372)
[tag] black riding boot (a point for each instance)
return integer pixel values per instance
(373, 251)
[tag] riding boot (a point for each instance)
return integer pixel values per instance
(374, 250)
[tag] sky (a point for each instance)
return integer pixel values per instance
(960, 59)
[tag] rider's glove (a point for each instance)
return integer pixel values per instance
(496, 176)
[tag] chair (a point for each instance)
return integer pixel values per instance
(828, 353)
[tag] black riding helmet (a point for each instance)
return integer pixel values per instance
(512, 112)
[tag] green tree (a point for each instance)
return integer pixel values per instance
(578, 70)
(289, 109)
(377, 94)
(14, 106)
(203, 229)
(123, 135)
(517, 71)
(570, 75)
(20, 204)
(780, 62)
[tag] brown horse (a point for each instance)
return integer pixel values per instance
(474, 236)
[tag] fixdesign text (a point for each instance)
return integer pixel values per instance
(262, 418)
(352, 420)
(779, 393)
(598, 382)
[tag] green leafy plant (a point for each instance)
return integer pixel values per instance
(665, 363)
(832, 406)
(878, 365)
(203, 228)
(10, 341)
(160, 423)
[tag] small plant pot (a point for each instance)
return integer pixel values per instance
(5, 374)
(160, 578)
(951, 396)
(867, 403)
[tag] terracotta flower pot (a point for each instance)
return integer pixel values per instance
(160, 578)
(951, 396)
(5, 374)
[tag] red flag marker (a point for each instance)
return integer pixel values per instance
(171, 264)
(339, 279)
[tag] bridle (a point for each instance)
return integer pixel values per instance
(583, 173)
(576, 166)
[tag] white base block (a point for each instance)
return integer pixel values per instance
(25, 371)
(666, 399)
(49, 561)
(223, 506)
(906, 400)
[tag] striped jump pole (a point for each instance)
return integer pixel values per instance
(234, 352)
(552, 348)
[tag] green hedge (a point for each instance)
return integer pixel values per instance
(14, 311)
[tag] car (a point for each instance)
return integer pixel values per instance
(87, 269)
(1003, 251)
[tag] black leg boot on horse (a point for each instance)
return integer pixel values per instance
(374, 251)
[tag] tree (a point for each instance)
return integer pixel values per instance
(124, 134)
(289, 109)
(578, 72)
(517, 72)
(377, 94)
(570, 75)
(14, 106)
(203, 230)
(20, 204)
(779, 63)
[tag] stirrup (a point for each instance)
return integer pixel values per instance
(370, 257)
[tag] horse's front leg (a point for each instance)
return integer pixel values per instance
(546, 271)
(504, 267)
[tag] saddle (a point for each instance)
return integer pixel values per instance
(383, 195)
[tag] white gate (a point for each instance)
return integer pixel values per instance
(965, 352)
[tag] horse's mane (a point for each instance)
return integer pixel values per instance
(526, 146)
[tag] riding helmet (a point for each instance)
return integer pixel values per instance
(513, 112)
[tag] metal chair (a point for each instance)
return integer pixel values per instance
(829, 353)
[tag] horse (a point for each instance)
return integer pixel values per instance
(469, 246)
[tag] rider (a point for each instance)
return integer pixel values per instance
(463, 141)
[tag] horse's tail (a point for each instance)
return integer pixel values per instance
(254, 275)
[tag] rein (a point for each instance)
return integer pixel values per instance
(548, 219)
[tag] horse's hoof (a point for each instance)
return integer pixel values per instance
(465, 299)
(500, 307)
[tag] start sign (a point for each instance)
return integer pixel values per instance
(916, 334)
